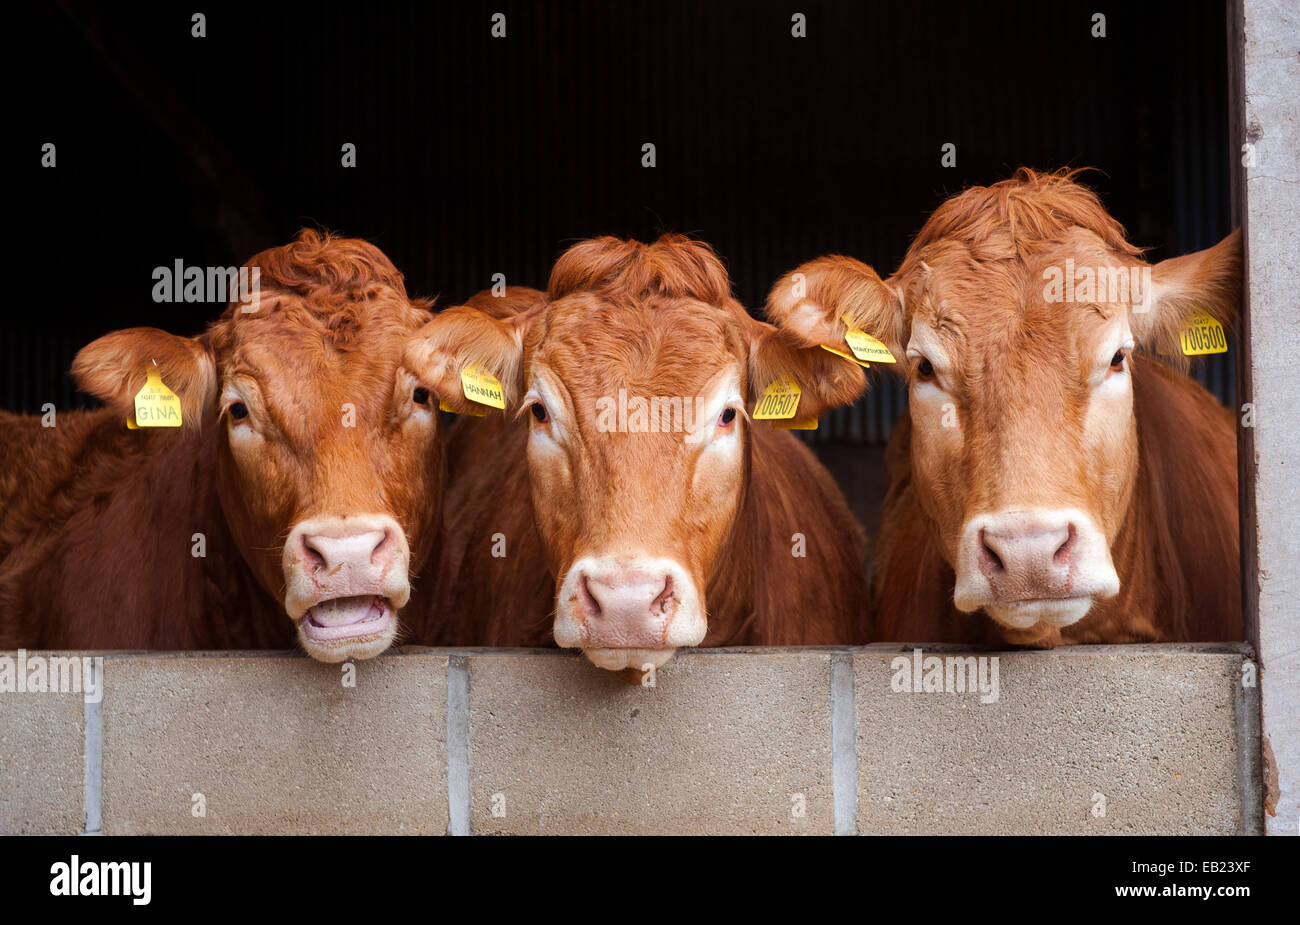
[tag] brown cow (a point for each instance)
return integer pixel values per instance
(1048, 473)
(306, 479)
(619, 527)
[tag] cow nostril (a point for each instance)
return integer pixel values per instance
(1063, 552)
(664, 602)
(990, 556)
(312, 556)
(588, 600)
(384, 544)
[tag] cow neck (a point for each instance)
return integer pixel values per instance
(1180, 528)
(228, 608)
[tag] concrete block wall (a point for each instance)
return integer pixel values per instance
(1099, 739)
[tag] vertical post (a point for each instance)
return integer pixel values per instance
(1264, 79)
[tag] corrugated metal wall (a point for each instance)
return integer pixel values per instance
(479, 155)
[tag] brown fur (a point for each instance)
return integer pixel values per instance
(1178, 565)
(96, 538)
(1163, 486)
(656, 319)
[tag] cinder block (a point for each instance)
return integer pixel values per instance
(1144, 734)
(725, 742)
(275, 745)
(42, 738)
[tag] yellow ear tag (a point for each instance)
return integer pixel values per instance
(1203, 335)
(841, 353)
(474, 412)
(867, 348)
(481, 386)
(779, 402)
(805, 424)
(155, 404)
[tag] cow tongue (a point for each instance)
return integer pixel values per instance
(345, 611)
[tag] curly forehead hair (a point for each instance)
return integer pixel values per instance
(675, 267)
(339, 284)
(1011, 219)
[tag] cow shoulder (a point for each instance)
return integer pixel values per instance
(49, 471)
(1187, 513)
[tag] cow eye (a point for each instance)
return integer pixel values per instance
(925, 369)
(420, 396)
(539, 413)
(1117, 361)
(727, 416)
(239, 411)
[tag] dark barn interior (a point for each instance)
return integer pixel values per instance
(478, 155)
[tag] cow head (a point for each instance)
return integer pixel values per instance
(633, 374)
(1019, 315)
(329, 457)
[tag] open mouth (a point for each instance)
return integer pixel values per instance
(347, 619)
(1054, 611)
(635, 659)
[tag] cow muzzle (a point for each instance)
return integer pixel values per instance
(1031, 567)
(628, 612)
(345, 580)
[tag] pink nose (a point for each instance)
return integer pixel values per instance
(626, 609)
(345, 556)
(354, 550)
(1028, 560)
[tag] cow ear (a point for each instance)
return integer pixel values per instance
(817, 303)
(825, 381)
(462, 336)
(1205, 282)
(115, 367)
